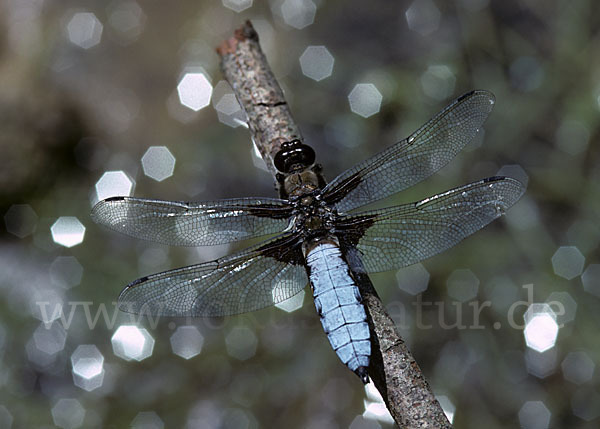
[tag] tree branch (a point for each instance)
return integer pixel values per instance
(246, 69)
(393, 369)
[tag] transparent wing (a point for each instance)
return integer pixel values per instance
(256, 278)
(413, 159)
(404, 235)
(193, 224)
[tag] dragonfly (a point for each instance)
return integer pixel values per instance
(318, 236)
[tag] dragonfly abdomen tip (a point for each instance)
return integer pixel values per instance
(362, 373)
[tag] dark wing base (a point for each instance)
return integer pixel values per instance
(193, 224)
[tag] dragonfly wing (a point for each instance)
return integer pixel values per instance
(250, 280)
(403, 235)
(413, 159)
(193, 224)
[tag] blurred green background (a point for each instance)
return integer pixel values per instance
(88, 87)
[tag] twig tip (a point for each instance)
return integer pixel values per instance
(245, 32)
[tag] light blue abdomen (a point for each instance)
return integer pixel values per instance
(338, 303)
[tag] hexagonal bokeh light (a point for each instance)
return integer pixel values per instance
(541, 364)
(187, 342)
(230, 112)
(298, 13)
(130, 342)
(158, 163)
(541, 328)
(127, 20)
(578, 367)
(38, 358)
(563, 305)
(67, 231)
(515, 171)
(68, 413)
(316, 62)
(194, 91)
(88, 367)
(568, 262)
(534, 414)
(20, 220)
(237, 5)
(84, 30)
(375, 408)
(462, 285)
(413, 279)
(147, 420)
(423, 16)
(241, 342)
(591, 279)
(50, 339)
(365, 99)
(228, 108)
(66, 272)
(292, 304)
(448, 407)
(114, 184)
(48, 305)
(438, 82)
(376, 411)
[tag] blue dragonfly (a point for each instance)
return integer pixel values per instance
(319, 236)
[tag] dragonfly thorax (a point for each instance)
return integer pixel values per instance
(301, 184)
(313, 217)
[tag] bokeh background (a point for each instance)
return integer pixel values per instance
(123, 97)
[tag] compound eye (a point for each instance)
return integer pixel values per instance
(292, 155)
